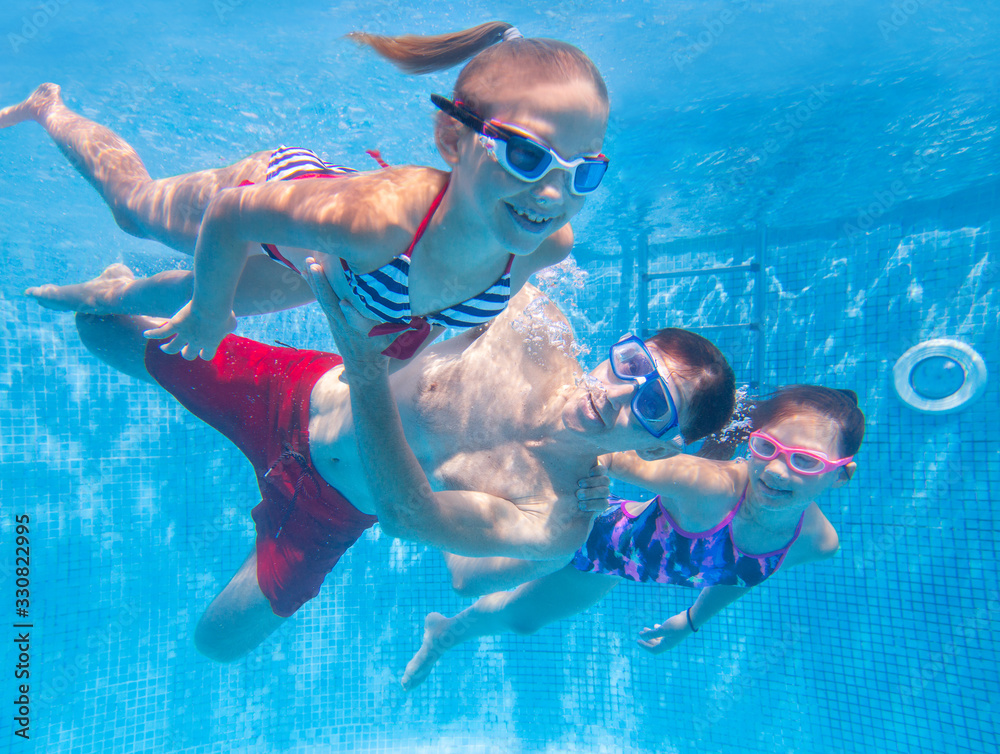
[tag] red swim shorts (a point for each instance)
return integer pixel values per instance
(258, 397)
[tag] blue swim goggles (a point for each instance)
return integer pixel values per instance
(652, 404)
(522, 155)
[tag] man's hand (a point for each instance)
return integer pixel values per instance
(663, 637)
(592, 497)
(192, 335)
(363, 358)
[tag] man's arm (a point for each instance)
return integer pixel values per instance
(463, 522)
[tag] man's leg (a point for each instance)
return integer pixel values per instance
(265, 286)
(241, 617)
(523, 611)
(118, 341)
(238, 619)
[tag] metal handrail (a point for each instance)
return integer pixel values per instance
(758, 303)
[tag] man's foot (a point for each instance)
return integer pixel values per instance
(437, 640)
(33, 108)
(102, 295)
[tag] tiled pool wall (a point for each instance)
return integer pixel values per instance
(140, 515)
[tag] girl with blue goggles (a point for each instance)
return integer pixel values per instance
(523, 155)
(397, 260)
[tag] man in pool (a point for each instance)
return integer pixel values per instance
(505, 425)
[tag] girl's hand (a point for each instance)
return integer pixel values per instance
(594, 490)
(663, 637)
(191, 334)
(349, 327)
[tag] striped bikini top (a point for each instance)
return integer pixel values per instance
(385, 293)
(651, 547)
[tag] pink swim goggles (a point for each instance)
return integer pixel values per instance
(802, 461)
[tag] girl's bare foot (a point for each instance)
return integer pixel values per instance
(437, 640)
(33, 108)
(102, 295)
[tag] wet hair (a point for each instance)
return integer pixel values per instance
(713, 396)
(544, 59)
(840, 406)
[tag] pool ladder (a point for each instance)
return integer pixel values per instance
(754, 239)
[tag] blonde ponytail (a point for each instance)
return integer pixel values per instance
(417, 54)
(533, 59)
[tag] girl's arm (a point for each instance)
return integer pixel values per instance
(219, 258)
(697, 492)
(322, 215)
(817, 541)
(667, 635)
(678, 476)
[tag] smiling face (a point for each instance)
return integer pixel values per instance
(600, 410)
(568, 116)
(775, 485)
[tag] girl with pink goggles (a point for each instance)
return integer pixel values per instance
(800, 460)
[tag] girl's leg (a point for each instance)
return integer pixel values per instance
(265, 286)
(167, 210)
(525, 610)
(472, 577)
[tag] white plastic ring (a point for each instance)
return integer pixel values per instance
(973, 382)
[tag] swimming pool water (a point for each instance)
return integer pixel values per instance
(847, 148)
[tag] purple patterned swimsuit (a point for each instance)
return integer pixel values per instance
(651, 547)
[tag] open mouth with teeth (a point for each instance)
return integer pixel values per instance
(773, 491)
(529, 220)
